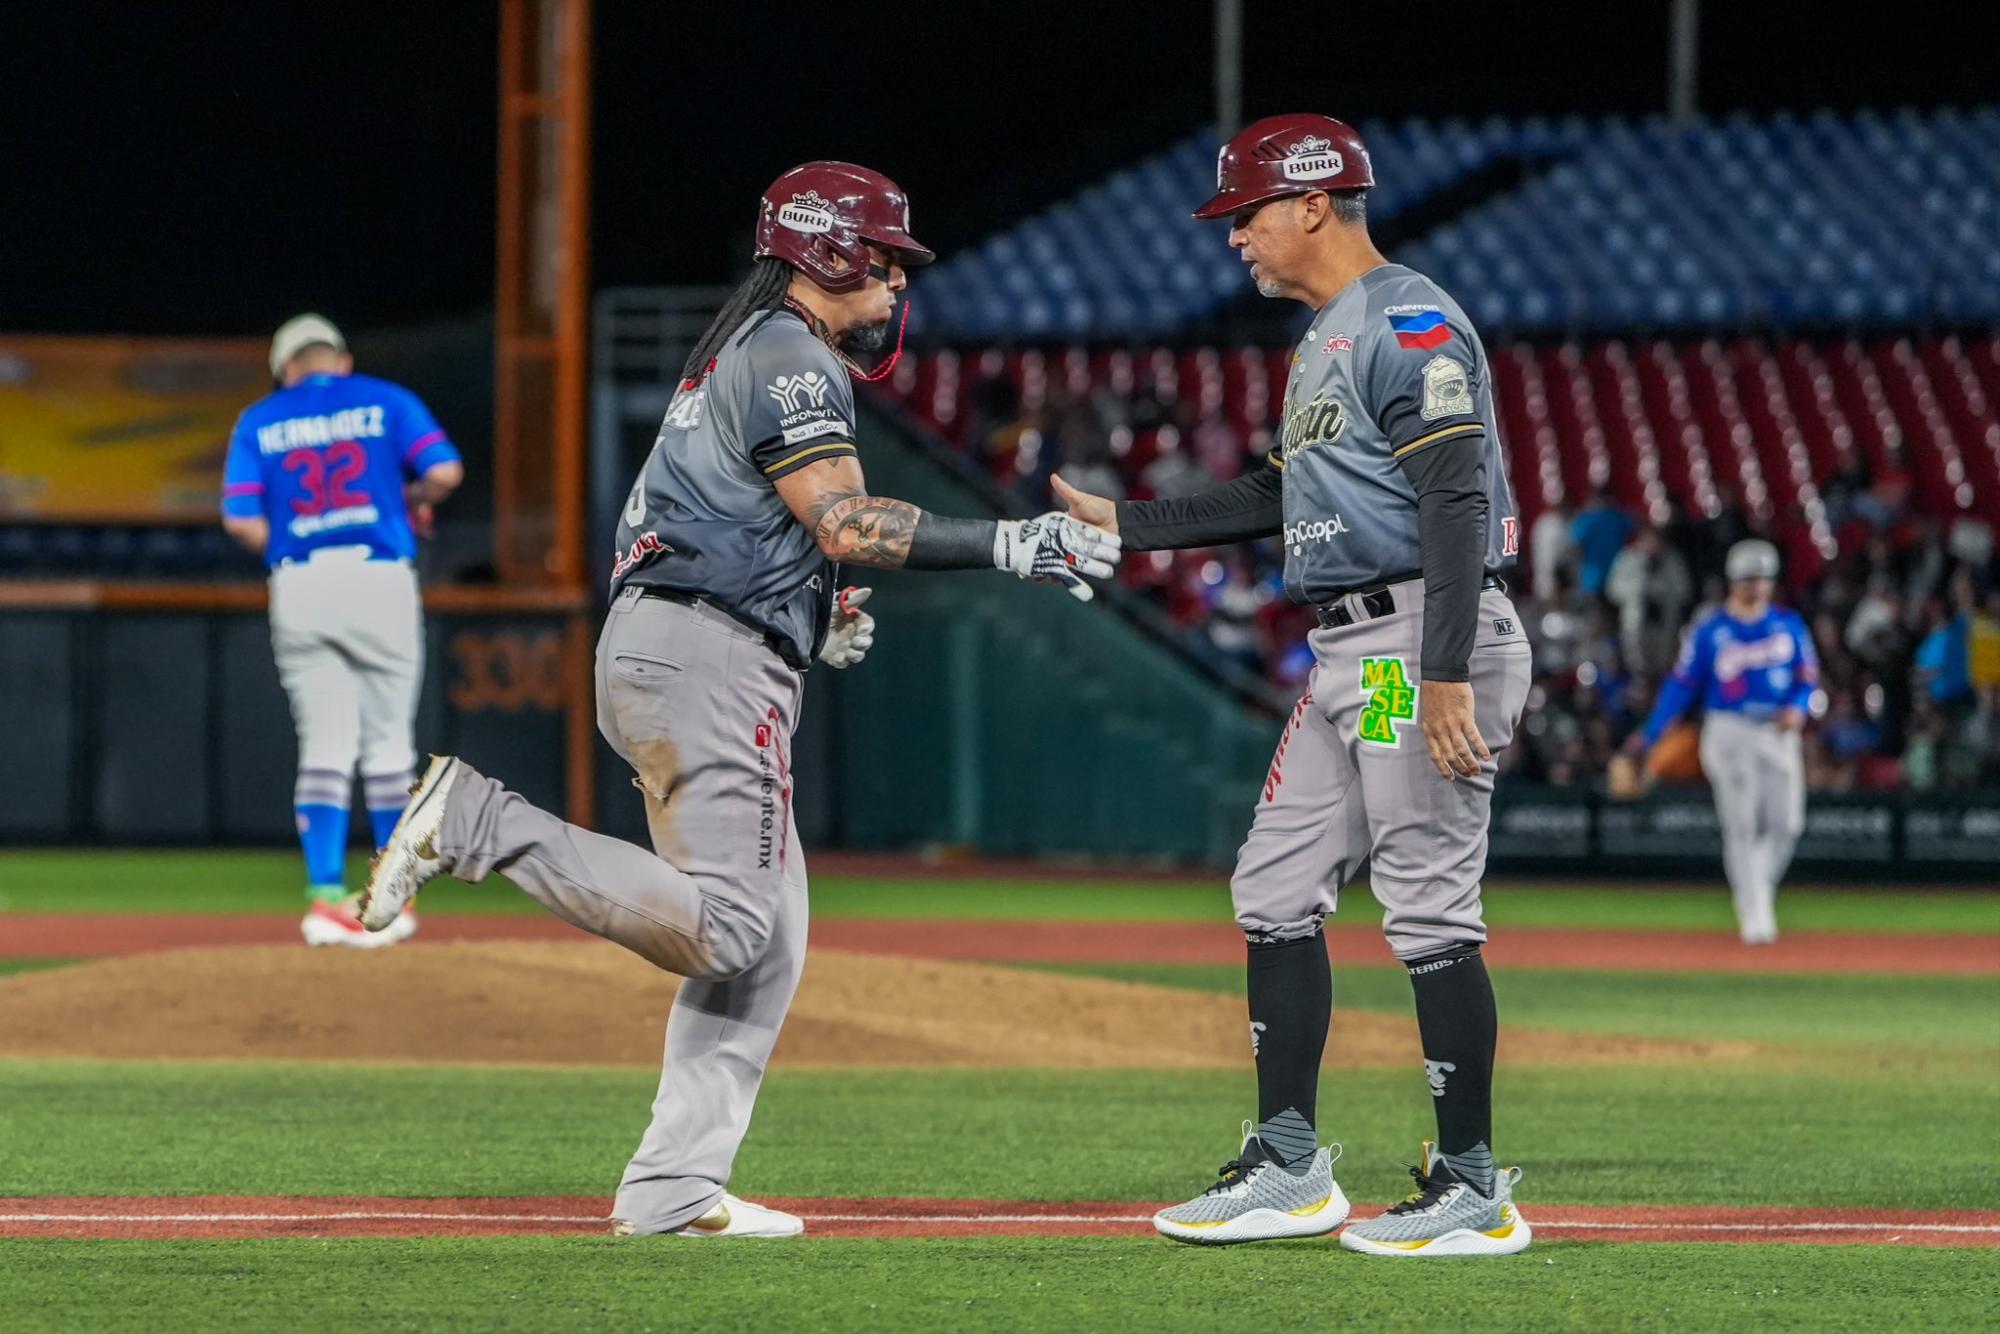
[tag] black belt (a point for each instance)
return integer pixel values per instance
(777, 644)
(1376, 601)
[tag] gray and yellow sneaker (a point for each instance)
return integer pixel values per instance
(1446, 1216)
(1259, 1199)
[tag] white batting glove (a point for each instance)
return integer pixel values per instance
(852, 631)
(1056, 549)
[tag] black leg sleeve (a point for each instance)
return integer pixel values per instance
(1458, 1022)
(1291, 1004)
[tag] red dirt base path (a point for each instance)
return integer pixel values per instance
(227, 1216)
(76, 935)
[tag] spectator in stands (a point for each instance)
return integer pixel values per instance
(1981, 743)
(1552, 549)
(1600, 529)
(1649, 585)
(1711, 537)
(1923, 754)
(1174, 472)
(1234, 603)
(1215, 445)
(1982, 656)
(1944, 657)
(1875, 617)
(1970, 541)
(1085, 453)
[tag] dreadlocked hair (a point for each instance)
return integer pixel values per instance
(770, 278)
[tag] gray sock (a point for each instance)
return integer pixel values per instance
(1289, 1139)
(1474, 1167)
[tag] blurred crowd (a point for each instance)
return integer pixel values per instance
(1905, 609)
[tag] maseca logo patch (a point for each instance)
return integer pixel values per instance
(1392, 701)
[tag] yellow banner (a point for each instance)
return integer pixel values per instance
(120, 430)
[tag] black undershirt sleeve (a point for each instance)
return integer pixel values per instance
(1250, 507)
(943, 543)
(1450, 481)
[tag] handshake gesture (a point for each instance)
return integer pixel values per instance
(1054, 548)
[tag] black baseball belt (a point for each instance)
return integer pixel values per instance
(777, 644)
(1376, 601)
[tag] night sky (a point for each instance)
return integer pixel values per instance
(194, 168)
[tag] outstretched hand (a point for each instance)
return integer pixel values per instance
(1084, 507)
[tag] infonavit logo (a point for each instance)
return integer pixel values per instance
(795, 393)
(808, 213)
(1311, 158)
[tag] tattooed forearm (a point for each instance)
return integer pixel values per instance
(868, 530)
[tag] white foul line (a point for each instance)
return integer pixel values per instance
(919, 1220)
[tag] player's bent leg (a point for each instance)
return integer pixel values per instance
(463, 822)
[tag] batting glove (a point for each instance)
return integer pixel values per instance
(852, 631)
(1056, 549)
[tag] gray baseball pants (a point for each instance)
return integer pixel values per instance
(1757, 771)
(1352, 781)
(703, 710)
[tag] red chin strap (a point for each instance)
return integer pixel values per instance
(882, 372)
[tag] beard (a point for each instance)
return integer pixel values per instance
(865, 340)
(1269, 287)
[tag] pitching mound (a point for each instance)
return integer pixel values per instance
(594, 1004)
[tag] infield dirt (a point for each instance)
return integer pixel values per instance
(588, 1003)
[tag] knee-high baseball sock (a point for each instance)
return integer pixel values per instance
(1458, 1023)
(1291, 1003)
(319, 801)
(386, 795)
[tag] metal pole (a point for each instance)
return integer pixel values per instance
(1683, 60)
(1228, 66)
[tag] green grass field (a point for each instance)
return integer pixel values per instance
(1873, 1091)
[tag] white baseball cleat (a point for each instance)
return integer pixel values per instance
(410, 857)
(335, 922)
(730, 1217)
(1258, 1199)
(1445, 1216)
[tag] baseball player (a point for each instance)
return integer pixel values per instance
(330, 480)
(723, 593)
(1390, 492)
(1752, 666)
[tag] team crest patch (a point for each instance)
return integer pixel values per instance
(1446, 393)
(1419, 329)
(1392, 699)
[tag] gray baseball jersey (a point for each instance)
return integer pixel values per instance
(703, 516)
(1390, 366)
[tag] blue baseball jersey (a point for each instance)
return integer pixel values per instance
(325, 462)
(1751, 668)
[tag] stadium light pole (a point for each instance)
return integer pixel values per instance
(1683, 60)
(1228, 66)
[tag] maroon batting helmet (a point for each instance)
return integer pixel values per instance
(823, 210)
(1287, 155)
